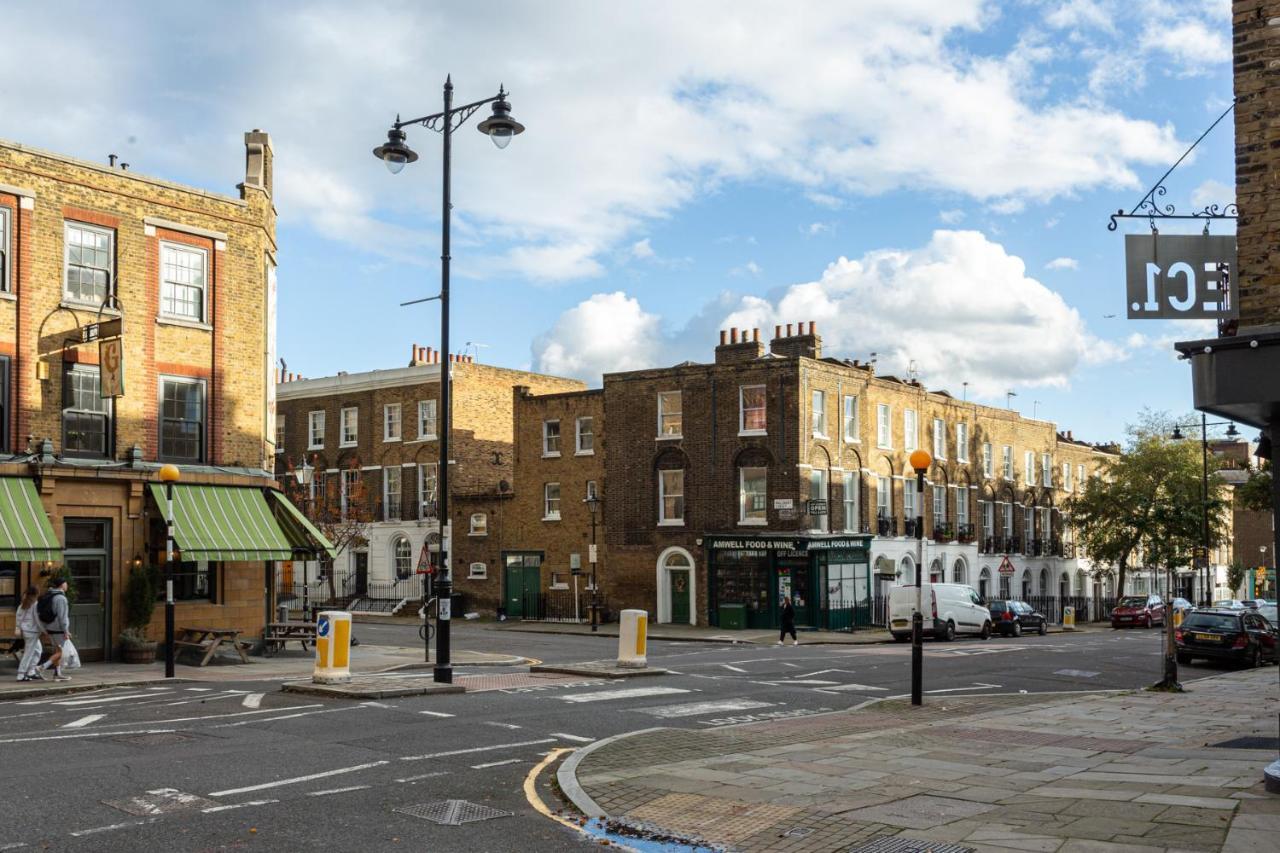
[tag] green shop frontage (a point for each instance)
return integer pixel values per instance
(828, 579)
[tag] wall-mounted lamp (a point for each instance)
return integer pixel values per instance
(42, 370)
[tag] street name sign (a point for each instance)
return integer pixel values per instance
(1180, 277)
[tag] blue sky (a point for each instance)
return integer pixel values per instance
(926, 179)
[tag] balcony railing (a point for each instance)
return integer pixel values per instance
(943, 531)
(909, 528)
(886, 525)
(964, 532)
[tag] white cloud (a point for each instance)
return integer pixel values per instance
(1191, 42)
(641, 249)
(813, 229)
(633, 112)
(608, 332)
(750, 268)
(1079, 14)
(1063, 264)
(961, 307)
(951, 217)
(1212, 192)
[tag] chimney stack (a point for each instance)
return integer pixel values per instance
(739, 349)
(805, 343)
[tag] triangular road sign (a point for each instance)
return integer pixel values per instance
(1006, 567)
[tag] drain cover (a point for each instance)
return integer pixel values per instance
(162, 739)
(798, 832)
(453, 812)
(898, 844)
(1249, 743)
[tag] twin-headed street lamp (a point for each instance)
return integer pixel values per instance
(1177, 435)
(396, 153)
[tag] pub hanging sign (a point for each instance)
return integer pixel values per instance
(1181, 277)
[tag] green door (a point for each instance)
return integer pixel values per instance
(513, 583)
(522, 580)
(87, 567)
(680, 596)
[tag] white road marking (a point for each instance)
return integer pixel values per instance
(32, 739)
(574, 738)
(231, 806)
(697, 709)
(211, 697)
(112, 827)
(71, 703)
(629, 693)
(285, 717)
(799, 681)
(200, 689)
(84, 721)
(978, 685)
(477, 749)
(857, 687)
(733, 668)
(338, 791)
(13, 845)
(824, 672)
(296, 779)
(753, 660)
(435, 713)
(496, 763)
(376, 705)
(1077, 673)
(502, 725)
(253, 700)
(423, 776)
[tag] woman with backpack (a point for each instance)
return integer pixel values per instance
(54, 616)
(28, 625)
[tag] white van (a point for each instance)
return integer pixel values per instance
(949, 609)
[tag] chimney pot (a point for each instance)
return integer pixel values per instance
(788, 330)
(755, 336)
(723, 335)
(777, 332)
(813, 328)
(733, 335)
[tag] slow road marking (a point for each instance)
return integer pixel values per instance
(629, 693)
(697, 709)
(253, 700)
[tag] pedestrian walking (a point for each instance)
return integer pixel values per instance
(788, 622)
(54, 616)
(29, 626)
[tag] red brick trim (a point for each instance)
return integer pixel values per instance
(193, 371)
(90, 217)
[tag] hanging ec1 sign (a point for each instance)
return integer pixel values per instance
(1181, 277)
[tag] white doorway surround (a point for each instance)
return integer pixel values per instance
(672, 559)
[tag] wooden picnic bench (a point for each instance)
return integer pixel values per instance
(277, 634)
(208, 641)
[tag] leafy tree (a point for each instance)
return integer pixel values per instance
(1255, 493)
(1235, 576)
(344, 519)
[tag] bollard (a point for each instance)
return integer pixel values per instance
(1177, 617)
(1068, 618)
(333, 648)
(632, 639)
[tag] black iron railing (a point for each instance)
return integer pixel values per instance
(557, 605)
(886, 525)
(839, 615)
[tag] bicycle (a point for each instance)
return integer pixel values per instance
(426, 630)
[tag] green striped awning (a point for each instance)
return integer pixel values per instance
(223, 523)
(25, 531)
(306, 539)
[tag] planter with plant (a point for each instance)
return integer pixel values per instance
(139, 603)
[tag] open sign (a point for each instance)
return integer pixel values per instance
(1188, 277)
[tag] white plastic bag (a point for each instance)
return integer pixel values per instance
(70, 657)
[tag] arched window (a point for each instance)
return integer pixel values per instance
(1044, 581)
(958, 573)
(677, 560)
(984, 583)
(402, 557)
(935, 572)
(907, 571)
(1027, 590)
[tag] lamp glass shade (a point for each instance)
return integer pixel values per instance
(501, 136)
(395, 161)
(920, 460)
(169, 473)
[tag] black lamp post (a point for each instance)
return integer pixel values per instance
(169, 475)
(920, 461)
(1177, 435)
(396, 153)
(593, 504)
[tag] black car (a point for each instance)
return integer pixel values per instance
(1011, 618)
(1224, 634)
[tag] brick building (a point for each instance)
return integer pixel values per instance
(190, 277)
(371, 437)
(775, 470)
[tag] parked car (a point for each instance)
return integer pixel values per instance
(1268, 612)
(1235, 634)
(1228, 604)
(1011, 618)
(1144, 610)
(949, 609)
(1181, 605)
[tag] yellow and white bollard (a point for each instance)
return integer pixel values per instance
(633, 631)
(1068, 618)
(333, 648)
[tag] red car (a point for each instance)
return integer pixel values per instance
(1134, 610)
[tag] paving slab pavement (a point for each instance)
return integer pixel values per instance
(1142, 772)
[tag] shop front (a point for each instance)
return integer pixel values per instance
(827, 578)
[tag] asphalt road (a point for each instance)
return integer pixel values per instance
(240, 765)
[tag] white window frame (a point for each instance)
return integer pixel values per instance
(548, 436)
(578, 433)
(744, 517)
(820, 482)
(763, 408)
(427, 413)
(164, 453)
(1066, 476)
(939, 438)
(884, 426)
(347, 478)
(425, 496)
(1006, 462)
(884, 497)
(1046, 469)
(558, 581)
(850, 418)
(664, 493)
(478, 524)
(818, 412)
(548, 512)
(477, 572)
(910, 430)
(388, 422)
(962, 507)
(1029, 466)
(167, 245)
(66, 259)
(962, 442)
(1080, 484)
(392, 495)
(988, 518)
(280, 432)
(1006, 522)
(352, 412)
(677, 415)
(939, 505)
(909, 512)
(6, 251)
(851, 488)
(315, 427)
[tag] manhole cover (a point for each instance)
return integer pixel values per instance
(1250, 743)
(453, 812)
(898, 844)
(162, 739)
